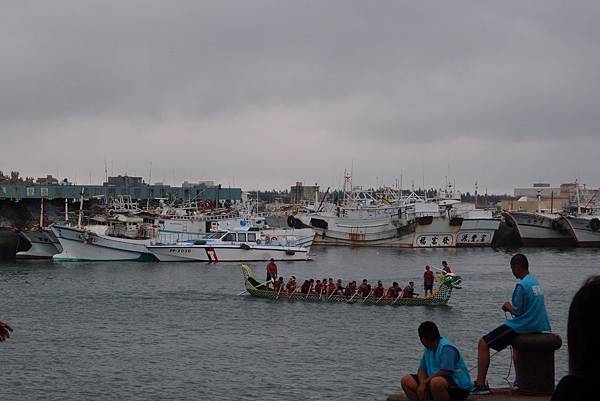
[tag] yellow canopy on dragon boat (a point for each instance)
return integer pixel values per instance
(440, 297)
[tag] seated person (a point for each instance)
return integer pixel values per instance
(331, 287)
(393, 291)
(318, 289)
(409, 290)
(442, 374)
(305, 287)
(364, 290)
(340, 287)
(279, 284)
(350, 289)
(290, 287)
(379, 290)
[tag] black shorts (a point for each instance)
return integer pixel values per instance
(500, 338)
(428, 287)
(455, 393)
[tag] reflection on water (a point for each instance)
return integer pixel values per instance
(143, 331)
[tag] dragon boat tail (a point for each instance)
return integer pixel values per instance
(446, 283)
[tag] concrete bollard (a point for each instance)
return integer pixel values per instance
(534, 362)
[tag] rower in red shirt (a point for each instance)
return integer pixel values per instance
(279, 284)
(318, 287)
(364, 290)
(290, 287)
(379, 290)
(393, 291)
(331, 287)
(409, 290)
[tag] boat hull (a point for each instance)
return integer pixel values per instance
(581, 229)
(44, 245)
(540, 231)
(227, 253)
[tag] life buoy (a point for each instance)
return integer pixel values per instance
(273, 238)
(595, 224)
(258, 241)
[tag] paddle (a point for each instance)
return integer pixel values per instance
(332, 292)
(398, 297)
(278, 292)
(308, 292)
(367, 296)
(380, 298)
(321, 293)
(351, 298)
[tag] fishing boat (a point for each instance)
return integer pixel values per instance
(446, 283)
(238, 245)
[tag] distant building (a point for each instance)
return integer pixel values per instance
(47, 180)
(302, 193)
(543, 197)
(125, 181)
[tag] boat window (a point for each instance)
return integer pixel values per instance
(241, 237)
(229, 237)
(251, 237)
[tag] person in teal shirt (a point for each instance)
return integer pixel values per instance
(529, 316)
(442, 374)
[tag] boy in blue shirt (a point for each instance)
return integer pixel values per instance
(529, 316)
(442, 374)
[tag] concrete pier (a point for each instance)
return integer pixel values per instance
(501, 394)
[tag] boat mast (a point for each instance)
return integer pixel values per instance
(80, 208)
(42, 212)
(577, 197)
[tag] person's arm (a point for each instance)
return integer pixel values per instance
(518, 305)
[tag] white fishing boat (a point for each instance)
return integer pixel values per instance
(243, 245)
(121, 238)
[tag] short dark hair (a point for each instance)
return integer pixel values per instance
(582, 329)
(429, 331)
(521, 260)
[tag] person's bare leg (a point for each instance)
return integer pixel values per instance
(483, 361)
(438, 387)
(409, 385)
(515, 355)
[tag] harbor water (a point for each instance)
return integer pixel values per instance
(179, 331)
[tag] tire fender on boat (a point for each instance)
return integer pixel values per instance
(595, 224)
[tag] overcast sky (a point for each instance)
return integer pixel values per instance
(267, 93)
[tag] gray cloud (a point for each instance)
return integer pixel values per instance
(262, 93)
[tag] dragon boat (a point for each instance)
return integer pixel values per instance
(446, 283)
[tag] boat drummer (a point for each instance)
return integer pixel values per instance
(271, 270)
(428, 279)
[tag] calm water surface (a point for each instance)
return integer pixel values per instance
(156, 331)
